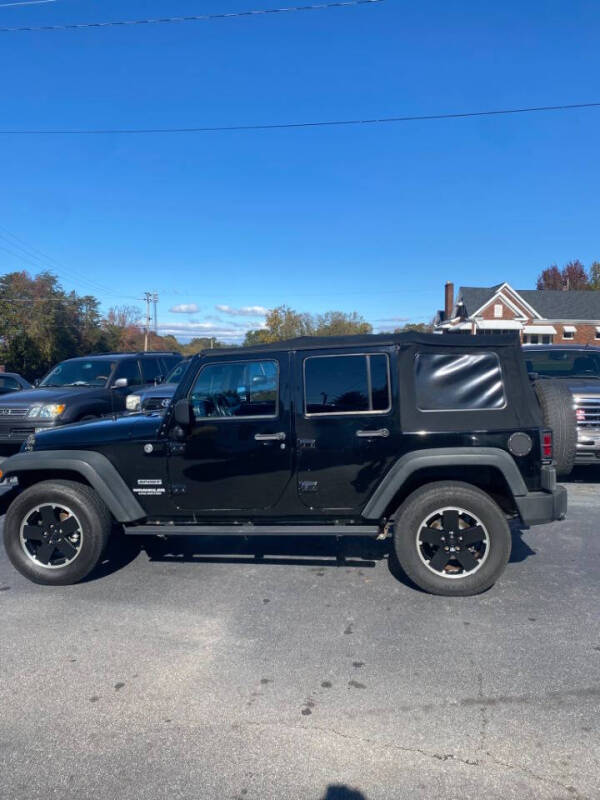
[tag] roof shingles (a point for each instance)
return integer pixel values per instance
(549, 303)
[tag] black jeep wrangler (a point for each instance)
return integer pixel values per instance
(435, 441)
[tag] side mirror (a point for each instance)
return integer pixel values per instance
(533, 376)
(120, 383)
(159, 379)
(182, 413)
(36, 382)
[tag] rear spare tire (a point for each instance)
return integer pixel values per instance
(558, 412)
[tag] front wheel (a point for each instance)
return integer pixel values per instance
(451, 539)
(55, 532)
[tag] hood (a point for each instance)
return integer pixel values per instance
(53, 394)
(162, 390)
(583, 386)
(98, 433)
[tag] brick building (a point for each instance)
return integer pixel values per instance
(540, 316)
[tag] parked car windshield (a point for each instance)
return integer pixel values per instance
(563, 363)
(82, 372)
(177, 372)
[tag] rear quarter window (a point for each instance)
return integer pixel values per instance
(456, 382)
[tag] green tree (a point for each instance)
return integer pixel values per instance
(339, 323)
(594, 275)
(286, 323)
(40, 324)
(415, 327)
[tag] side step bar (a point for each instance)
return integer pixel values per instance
(252, 530)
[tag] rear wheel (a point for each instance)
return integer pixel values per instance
(55, 532)
(451, 538)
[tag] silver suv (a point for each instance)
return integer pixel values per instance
(577, 366)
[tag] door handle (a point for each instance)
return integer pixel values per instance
(380, 433)
(270, 437)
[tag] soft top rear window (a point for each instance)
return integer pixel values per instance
(456, 382)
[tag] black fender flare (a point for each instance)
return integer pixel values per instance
(94, 467)
(442, 457)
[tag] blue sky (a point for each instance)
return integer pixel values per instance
(367, 218)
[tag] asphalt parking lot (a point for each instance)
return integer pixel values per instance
(191, 669)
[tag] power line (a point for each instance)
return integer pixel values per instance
(287, 125)
(27, 3)
(29, 252)
(194, 18)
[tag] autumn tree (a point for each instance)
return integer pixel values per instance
(574, 275)
(550, 278)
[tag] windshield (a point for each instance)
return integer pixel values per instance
(82, 372)
(177, 372)
(563, 363)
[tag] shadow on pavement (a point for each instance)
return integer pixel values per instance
(583, 474)
(314, 551)
(309, 551)
(340, 792)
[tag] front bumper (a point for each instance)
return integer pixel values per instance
(17, 430)
(588, 445)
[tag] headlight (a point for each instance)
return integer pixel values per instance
(132, 403)
(48, 411)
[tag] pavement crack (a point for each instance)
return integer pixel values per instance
(571, 790)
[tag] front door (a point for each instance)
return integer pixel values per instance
(237, 454)
(347, 427)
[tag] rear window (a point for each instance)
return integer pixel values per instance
(346, 384)
(456, 382)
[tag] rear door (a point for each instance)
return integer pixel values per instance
(237, 453)
(346, 425)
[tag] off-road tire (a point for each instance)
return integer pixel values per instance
(556, 402)
(95, 522)
(451, 494)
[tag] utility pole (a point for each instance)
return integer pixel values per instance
(148, 299)
(155, 301)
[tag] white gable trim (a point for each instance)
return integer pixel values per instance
(500, 295)
(518, 299)
(502, 298)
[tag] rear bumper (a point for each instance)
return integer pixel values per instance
(535, 508)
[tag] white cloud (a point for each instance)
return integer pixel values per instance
(244, 311)
(227, 332)
(184, 308)
(394, 319)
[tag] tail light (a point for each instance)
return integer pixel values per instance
(546, 445)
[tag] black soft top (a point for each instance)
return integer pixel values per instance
(462, 340)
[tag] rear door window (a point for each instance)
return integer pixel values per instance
(346, 384)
